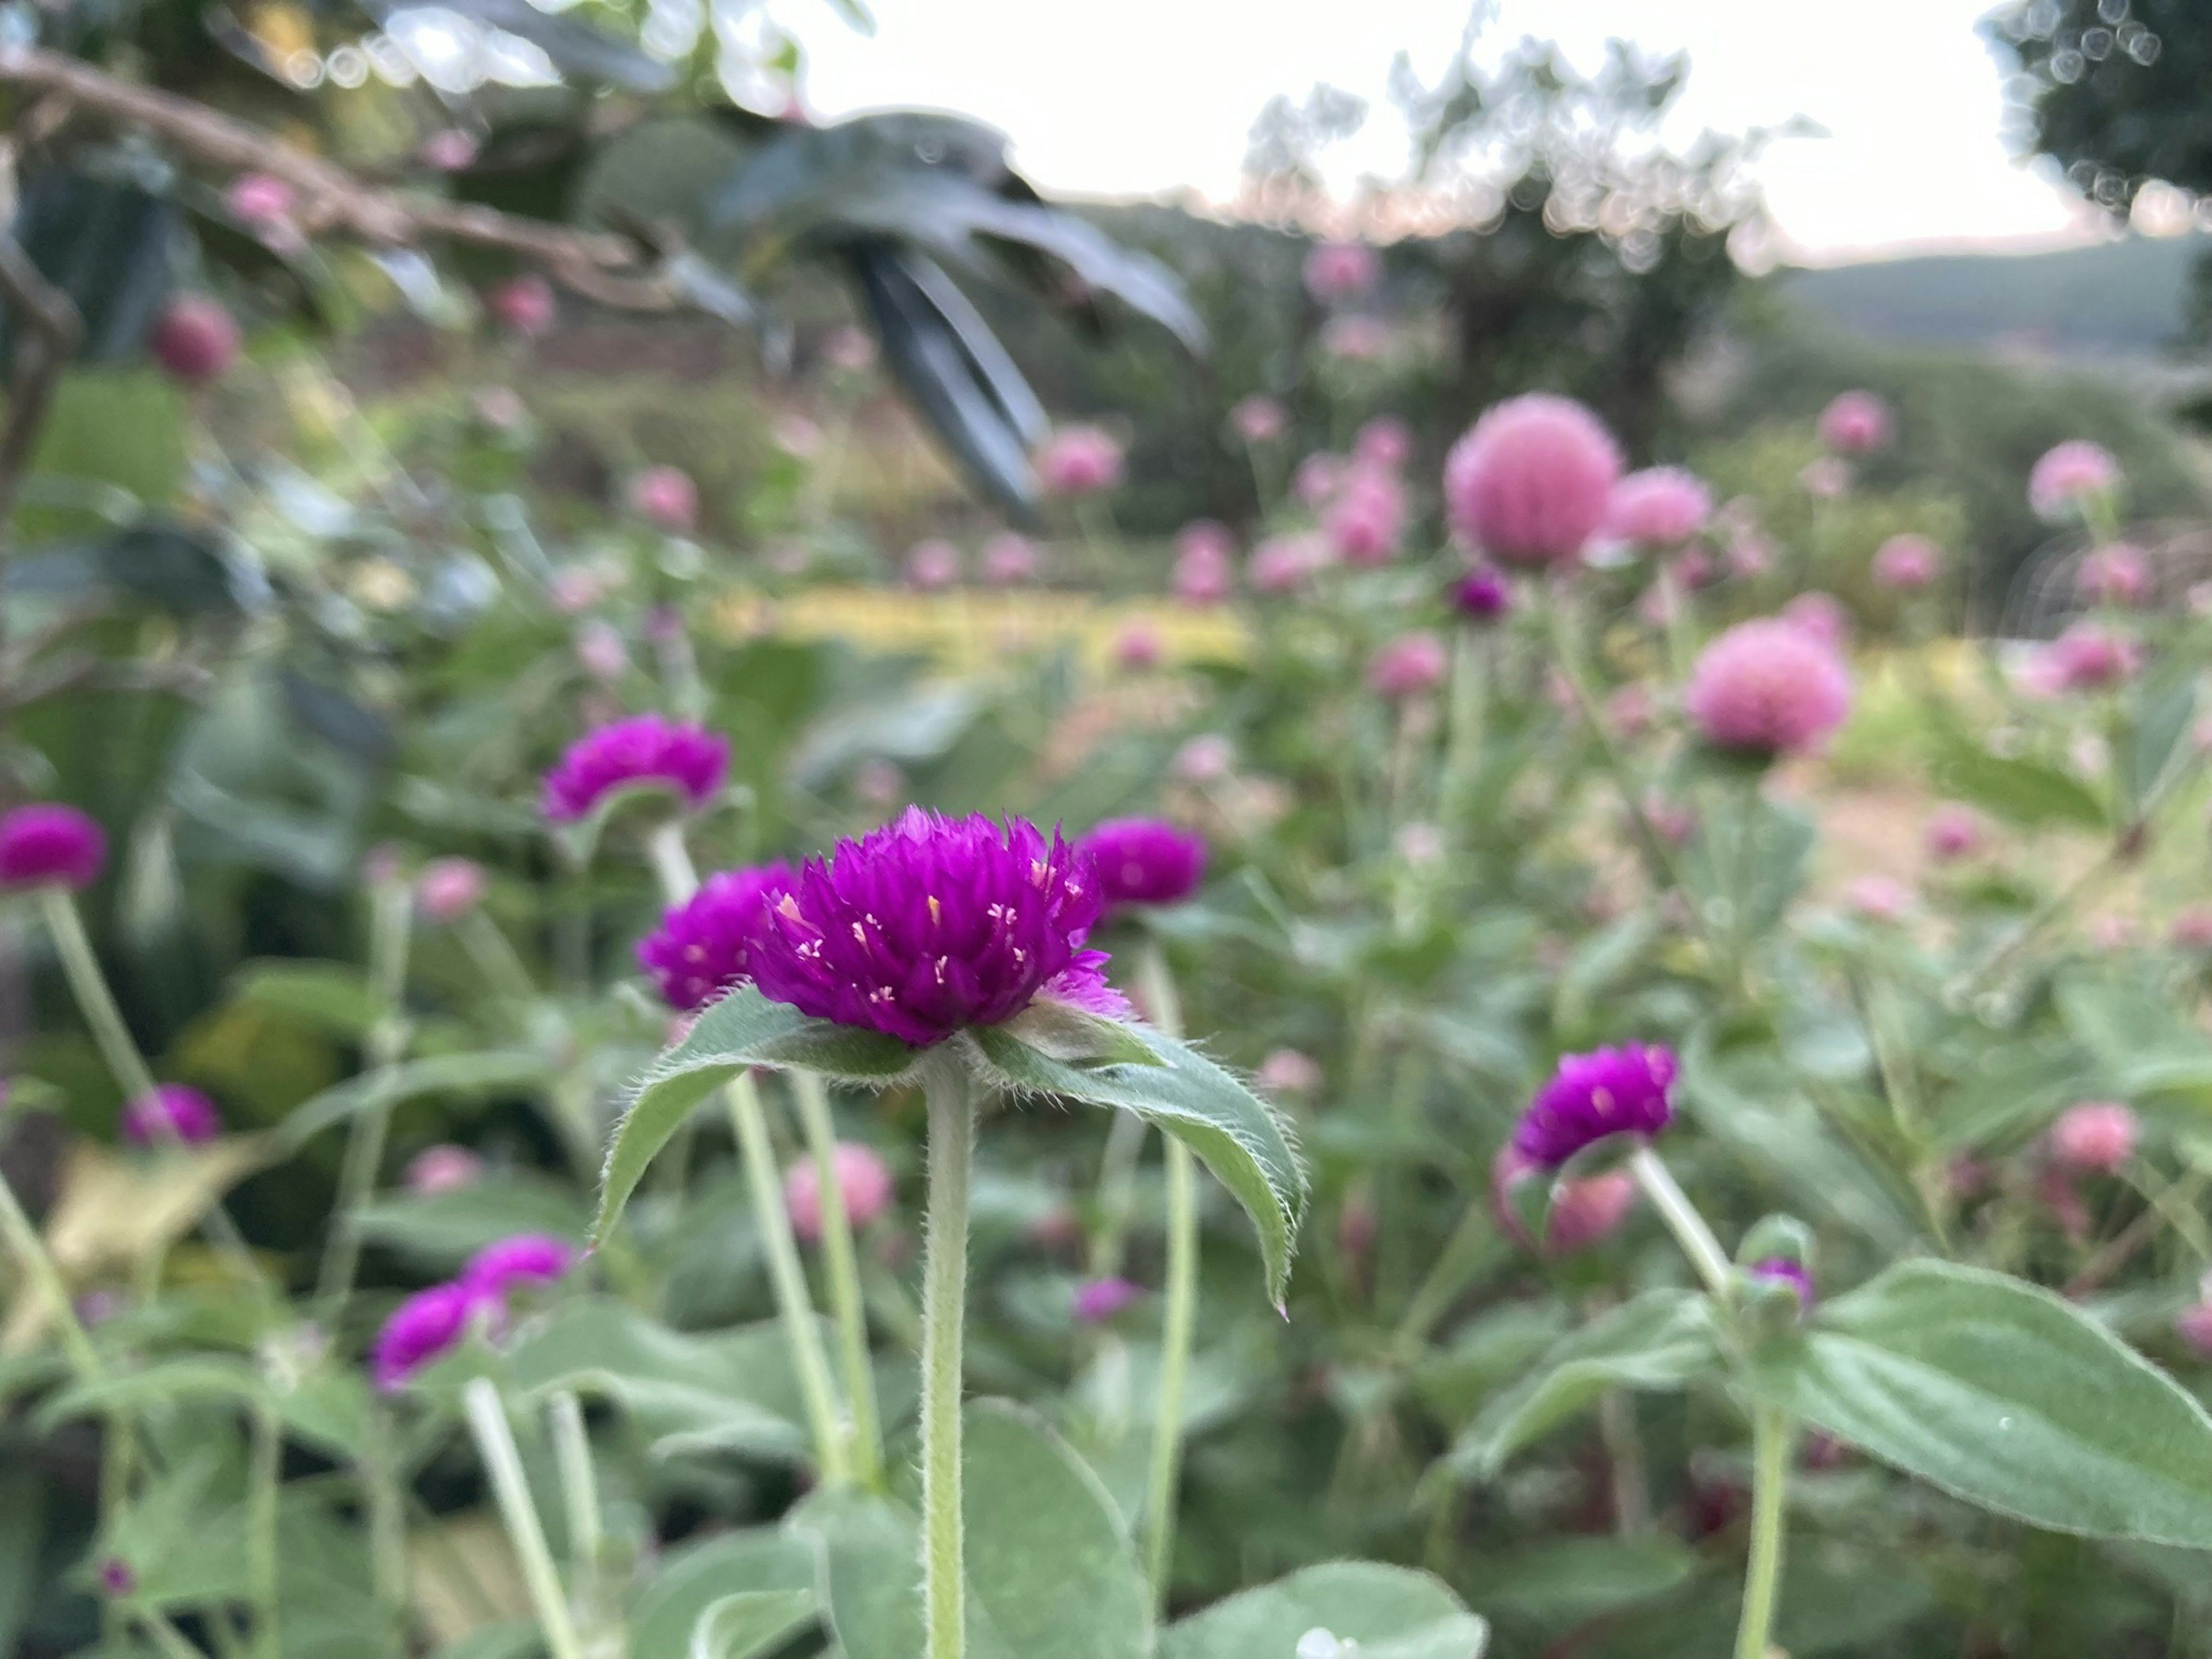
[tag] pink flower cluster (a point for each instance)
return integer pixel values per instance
(1660, 507)
(1079, 460)
(1338, 271)
(1768, 687)
(1532, 481)
(430, 1323)
(2071, 476)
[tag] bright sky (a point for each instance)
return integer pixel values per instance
(1139, 97)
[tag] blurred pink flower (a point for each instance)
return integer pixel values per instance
(863, 1181)
(260, 199)
(1768, 687)
(2194, 1326)
(931, 564)
(2095, 1136)
(1283, 564)
(1098, 1300)
(1288, 1072)
(1317, 478)
(1355, 339)
(601, 650)
(1258, 420)
(1820, 616)
(2087, 657)
(524, 306)
(1880, 898)
(1337, 271)
(1906, 561)
(1826, 478)
(1139, 645)
(448, 889)
(1206, 758)
(1079, 460)
(2118, 574)
(195, 340)
(1855, 422)
(1530, 484)
(1952, 832)
(797, 436)
(574, 588)
(1659, 507)
(443, 1169)
(1583, 1212)
(447, 151)
(1749, 555)
(1408, 666)
(1008, 560)
(2191, 928)
(2069, 477)
(1363, 523)
(665, 497)
(1386, 442)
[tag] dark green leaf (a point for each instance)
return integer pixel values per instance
(691, 1579)
(2030, 793)
(1391, 1613)
(497, 1071)
(748, 1623)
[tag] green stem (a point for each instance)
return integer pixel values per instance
(1176, 1325)
(1117, 1193)
(1770, 1453)
(263, 1493)
(2053, 910)
(841, 1263)
(503, 1461)
(580, 1488)
(672, 861)
(495, 959)
(945, 1280)
(1463, 735)
(47, 1285)
(801, 1331)
(391, 912)
(1473, 1246)
(166, 1636)
(1683, 1220)
(376, 1470)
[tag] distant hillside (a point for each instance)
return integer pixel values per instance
(2127, 297)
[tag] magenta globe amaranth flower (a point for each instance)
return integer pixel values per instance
(864, 1182)
(2087, 657)
(195, 340)
(1203, 573)
(525, 1260)
(1952, 832)
(1611, 1091)
(260, 199)
(1079, 460)
(426, 1325)
(1097, 1300)
(933, 564)
(1364, 522)
(1482, 595)
(686, 759)
(1856, 423)
(524, 306)
(2069, 477)
(1659, 507)
(1283, 564)
(1385, 442)
(1821, 617)
(1337, 271)
(704, 945)
(1010, 560)
(930, 925)
(1530, 484)
(174, 1111)
(1903, 563)
(1767, 687)
(46, 844)
(1144, 860)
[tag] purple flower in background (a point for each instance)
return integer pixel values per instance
(1904, 563)
(1079, 460)
(1612, 1091)
(1781, 1270)
(930, 925)
(448, 889)
(190, 1115)
(644, 748)
(1659, 507)
(422, 1328)
(1336, 271)
(1855, 422)
(864, 1182)
(1768, 687)
(116, 1577)
(526, 1259)
(443, 1169)
(1405, 666)
(46, 843)
(704, 945)
(1144, 860)
(1482, 595)
(1531, 483)
(2070, 476)
(1097, 1300)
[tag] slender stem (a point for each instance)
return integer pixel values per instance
(1117, 1191)
(1623, 1450)
(391, 911)
(1463, 734)
(494, 957)
(1682, 1220)
(2052, 910)
(580, 1487)
(503, 1461)
(376, 1470)
(263, 1493)
(1473, 1246)
(801, 1330)
(944, 1280)
(47, 1285)
(1770, 1455)
(1177, 1322)
(672, 861)
(841, 1262)
(166, 1636)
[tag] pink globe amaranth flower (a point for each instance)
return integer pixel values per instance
(1363, 523)
(195, 340)
(443, 1169)
(1629, 711)
(931, 924)
(1482, 595)
(704, 945)
(2194, 1327)
(1879, 898)
(1749, 554)
(2097, 1136)
(259, 199)
(797, 436)
(524, 306)
(1205, 539)
(449, 150)
(46, 844)
(1821, 617)
(1610, 1091)
(1583, 1212)
(1530, 484)
(1288, 1072)
(687, 759)
(2115, 574)
(1385, 443)
(1203, 574)
(524, 1260)
(863, 1181)
(1258, 420)
(600, 651)
(1907, 563)
(448, 889)
(174, 1111)
(2087, 657)
(2069, 477)
(1009, 561)
(850, 349)
(1767, 687)
(1410, 664)
(426, 1325)
(1856, 423)
(1954, 832)
(1337, 271)
(2191, 928)
(1659, 507)
(665, 498)
(116, 1577)
(1097, 1300)
(1079, 460)
(1781, 1270)
(933, 564)
(1139, 645)
(1144, 860)
(1283, 564)
(1317, 479)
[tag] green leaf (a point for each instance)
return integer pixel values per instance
(1051, 1572)
(759, 1560)
(1060, 1030)
(332, 997)
(741, 1031)
(751, 1622)
(165, 1382)
(1658, 1340)
(1391, 1613)
(2005, 1396)
(491, 1072)
(2031, 793)
(2165, 710)
(1235, 1133)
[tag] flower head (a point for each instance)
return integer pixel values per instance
(1337, 271)
(173, 1111)
(1611, 1091)
(1385, 442)
(931, 564)
(1769, 688)
(2191, 928)
(1659, 507)
(1820, 616)
(259, 198)
(47, 844)
(1144, 860)
(421, 1329)
(443, 1169)
(1283, 564)
(524, 306)
(1482, 595)
(1782, 1270)
(1355, 339)
(1203, 571)
(2194, 1326)
(1010, 560)
(1079, 460)
(2118, 574)
(2069, 477)
(448, 889)
(1258, 420)
(1877, 897)
(1288, 1072)
(1097, 1300)
(195, 340)
(1906, 562)
(1583, 1212)
(704, 945)
(2087, 657)
(1139, 645)
(1530, 484)
(1413, 663)
(864, 1182)
(665, 498)
(526, 1259)
(644, 748)
(1366, 519)
(930, 925)
(2097, 1135)
(1855, 422)
(1952, 832)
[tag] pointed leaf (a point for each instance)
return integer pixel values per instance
(694, 1577)
(1388, 1611)
(497, 1071)
(748, 1623)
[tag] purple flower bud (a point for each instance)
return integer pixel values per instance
(646, 748)
(49, 844)
(116, 1577)
(1781, 1270)
(1098, 1300)
(423, 1327)
(188, 1115)
(1482, 595)
(1612, 1091)
(704, 945)
(527, 1259)
(1144, 860)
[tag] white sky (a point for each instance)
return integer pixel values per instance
(1140, 97)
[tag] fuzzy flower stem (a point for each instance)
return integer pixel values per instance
(579, 1487)
(944, 1295)
(672, 861)
(1769, 1452)
(495, 959)
(801, 1331)
(264, 1488)
(391, 909)
(1117, 1193)
(47, 1285)
(1179, 1317)
(80, 967)
(1463, 734)
(503, 1461)
(841, 1263)
(1682, 1220)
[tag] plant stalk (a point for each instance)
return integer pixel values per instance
(841, 1265)
(1179, 1317)
(1683, 1220)
(391, 909)
(580, 1488)
(1769, 1452)
(46, 1283)
(503, 1461)
(262, 1535)
(944, 1280)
